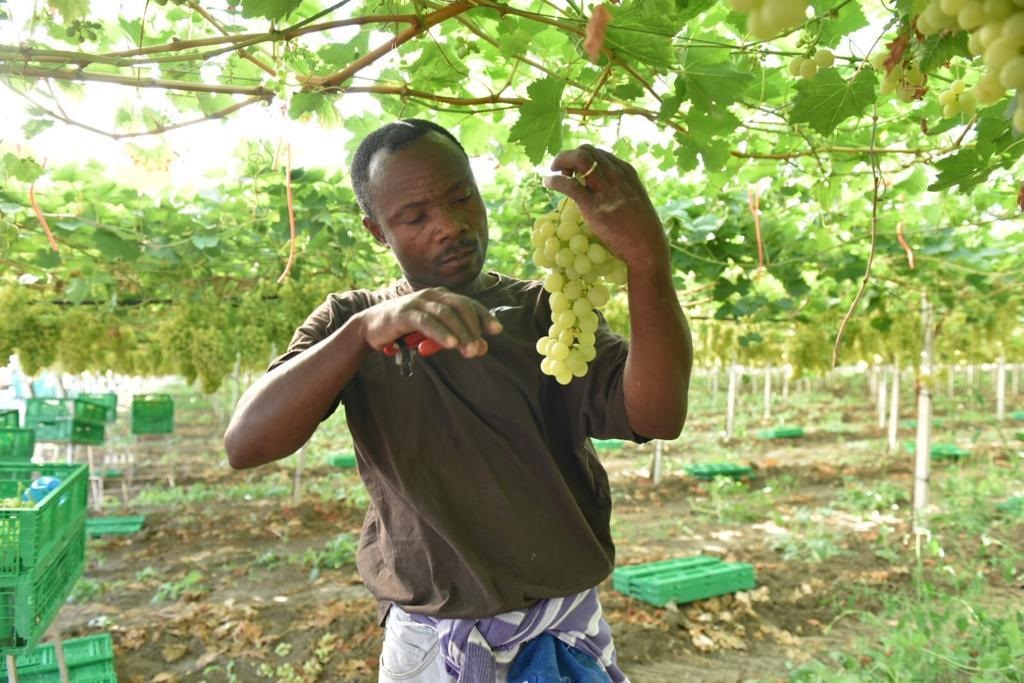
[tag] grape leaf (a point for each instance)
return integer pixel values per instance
(827, 100)
(114, 247)
(24, 169)
(710, 78)
(269, 9)
(539, 127)
(938, 49)
(303, 103)
(643, 30)
(77, 290)
(848, 19)
(70, 10)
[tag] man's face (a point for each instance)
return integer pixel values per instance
(428, 211)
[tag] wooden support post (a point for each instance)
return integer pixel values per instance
(922, 455)
(656, 463)
(297, 483)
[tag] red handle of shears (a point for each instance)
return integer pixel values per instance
(417, 341)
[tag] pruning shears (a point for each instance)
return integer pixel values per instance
(403, 348)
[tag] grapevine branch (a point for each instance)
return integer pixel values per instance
(80, 75)
(372, 56)
(220, 27)
(754, 200)
(291, 217)
(40, 216)
(903, 243)
(64, 118)
(876, 176)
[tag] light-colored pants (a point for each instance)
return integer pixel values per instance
(412, 654)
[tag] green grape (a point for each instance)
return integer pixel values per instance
(559, 301)
(567, 229)
(582, 307)
(558, 351)
(565, 257)
(554, 282)
(579, 244)
(573, 289)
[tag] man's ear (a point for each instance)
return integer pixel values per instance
(375, 230)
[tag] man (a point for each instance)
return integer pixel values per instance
(488, 523)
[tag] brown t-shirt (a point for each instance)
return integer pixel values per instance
(485, 491)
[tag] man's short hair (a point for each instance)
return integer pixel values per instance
(389, 138)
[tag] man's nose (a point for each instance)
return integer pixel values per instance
(450, 222)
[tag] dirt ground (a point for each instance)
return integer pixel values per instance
(229, 588)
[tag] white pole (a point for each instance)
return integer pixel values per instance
(714, 385)
(1001, 389)
(656, 463)
(1015, 385)
(785, 382)
(768, 392)
(730, 407)
(922, 456)
(882, 390)
(873, 380)
(297, 483)
(894, 407)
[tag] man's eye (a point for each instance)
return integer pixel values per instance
(415, 220)
(465, 198)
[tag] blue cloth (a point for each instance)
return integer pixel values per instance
(546, 659)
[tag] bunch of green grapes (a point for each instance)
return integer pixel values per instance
(578, 262)
(807, 67)
(996, 30)
(905, 79)
(768, 18)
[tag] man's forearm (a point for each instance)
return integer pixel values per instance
(657, 374)
(279, 413)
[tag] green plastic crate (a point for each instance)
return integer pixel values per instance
(1012, 506)
(940, 451)
(1017, 415)
(912, 424)
(948, 451)
(721, 469)
(45, 410)
(55, 409)
(608, 444)
(89, 660)
(17, 445)
(108, 401)
(9, 419)
(152, 414)
(28, 604)
(342, 460)
(66, 429)
(32, 536)
(114, 526)
(781, 433)
(1020, 436)
(683, 580)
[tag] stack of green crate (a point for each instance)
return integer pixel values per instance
(1014, 507)
(608, 444)
(152, 414)
(1017, 415)
(89, 660)
(63, 420)
(683, 580)
(108, 401)
(9, 419)
(717, 469)
(781, 433)
(42, 550)
(17, 445)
